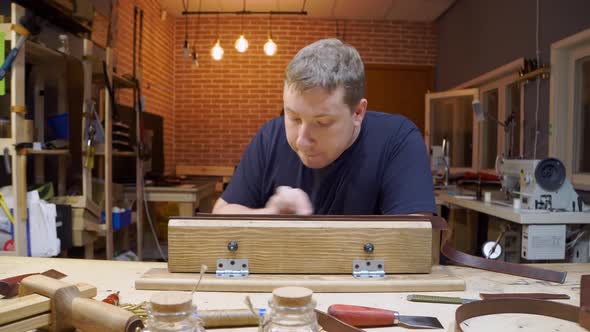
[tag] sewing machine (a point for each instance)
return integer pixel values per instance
(540, 184)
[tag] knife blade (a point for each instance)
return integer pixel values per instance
(359, 316)
(9, 286)
(438, 299)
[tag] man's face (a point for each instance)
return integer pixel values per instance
(319, 125)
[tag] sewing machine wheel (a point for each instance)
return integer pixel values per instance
(550, 174)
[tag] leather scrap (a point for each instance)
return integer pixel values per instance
(580, 315)
(331, 324)
(538, 296)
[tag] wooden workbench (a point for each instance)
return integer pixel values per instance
(110, 276)
(188, 196)
(505, 211)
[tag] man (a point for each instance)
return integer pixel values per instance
(327, 154)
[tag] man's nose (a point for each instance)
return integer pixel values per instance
(304, 137)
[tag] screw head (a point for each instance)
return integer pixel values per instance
(232, 245)
(369, 248)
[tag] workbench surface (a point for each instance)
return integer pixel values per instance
(109, 276)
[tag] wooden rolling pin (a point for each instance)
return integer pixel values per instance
(69, 310)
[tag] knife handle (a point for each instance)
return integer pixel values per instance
(358, 316)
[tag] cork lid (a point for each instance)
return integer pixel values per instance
(292, 296)
(171, 302)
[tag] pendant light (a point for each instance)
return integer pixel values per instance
(195, 64)
(241, 43)
(217, 50)
(185, 50)
(270, 48)
(195, 57)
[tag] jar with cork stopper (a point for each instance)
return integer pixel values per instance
(172, 312)
(291, 310)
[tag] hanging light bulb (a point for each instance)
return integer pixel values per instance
(195, 59)
(217, 51)
(185, 50)
(241, 44)
(270, 48)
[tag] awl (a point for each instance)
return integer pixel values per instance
(438, 299)
(358, 316)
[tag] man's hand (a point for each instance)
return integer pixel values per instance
(287, 200)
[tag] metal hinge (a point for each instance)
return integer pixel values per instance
(232, 268)
(368, 268)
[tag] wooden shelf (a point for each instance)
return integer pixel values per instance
(54, 152)
(542, 72)
(56, 15)
(119, 82)
(38, 54)
(115, 153)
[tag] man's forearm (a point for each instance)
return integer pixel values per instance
(222, 207)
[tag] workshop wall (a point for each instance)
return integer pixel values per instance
(158, 64)
(475, 37)
(219, 106)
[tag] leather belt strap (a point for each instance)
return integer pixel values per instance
(538, 296)
(580, 315)
(437, 222)
(332, 324)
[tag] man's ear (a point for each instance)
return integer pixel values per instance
(359, 112)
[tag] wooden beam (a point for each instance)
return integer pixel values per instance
(439, 280)
(204, 170)
(300, 246)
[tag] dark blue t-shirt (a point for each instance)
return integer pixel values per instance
(385, 171)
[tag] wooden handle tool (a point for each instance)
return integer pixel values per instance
(9, 286)
(69, 310)
(358, 316)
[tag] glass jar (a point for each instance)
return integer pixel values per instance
(172, 312)
(291, 310)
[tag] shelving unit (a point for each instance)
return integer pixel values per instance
(39, 54)
(542, 72)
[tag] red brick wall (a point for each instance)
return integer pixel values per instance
(219, 106)
(158, 64)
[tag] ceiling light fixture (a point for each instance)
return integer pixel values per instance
(241, 43)
(185, 50)
(270, 48)
(217, 50)
(195, 57)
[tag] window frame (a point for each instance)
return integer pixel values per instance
(562, 96)
(475, 133)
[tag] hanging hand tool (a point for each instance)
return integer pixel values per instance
(7, 161)
(24, 34)
(6, 209)
(358, 316)
(89, 158)
(26, 28)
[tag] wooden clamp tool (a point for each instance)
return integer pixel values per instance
(69, 310)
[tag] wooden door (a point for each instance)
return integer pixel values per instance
(399, 89)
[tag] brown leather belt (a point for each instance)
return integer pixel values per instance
(437, 222)
(580, 315)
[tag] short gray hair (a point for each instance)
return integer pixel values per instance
(329, 64)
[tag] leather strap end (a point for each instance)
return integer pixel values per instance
(332, 324)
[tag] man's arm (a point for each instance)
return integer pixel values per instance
(286, 200)
(223, 207)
